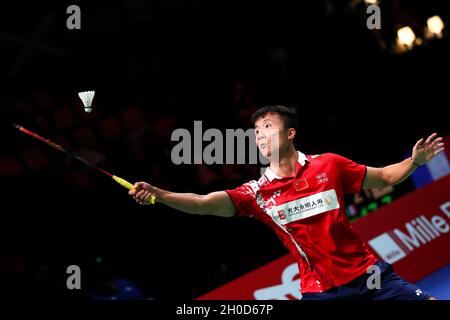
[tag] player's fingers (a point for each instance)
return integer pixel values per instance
(140, 185)
(140, 194)
(147, 195)
(430, 138)
(418, 143)
(435, 141)
(438, 146)
(436, 152)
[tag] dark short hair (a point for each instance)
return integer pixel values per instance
(287, 114)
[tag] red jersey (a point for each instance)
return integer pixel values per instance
(308, 214)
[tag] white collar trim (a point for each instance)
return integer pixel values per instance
(271, 175)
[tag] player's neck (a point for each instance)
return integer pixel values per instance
(287, 163)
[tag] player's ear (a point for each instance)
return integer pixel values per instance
(291, 133)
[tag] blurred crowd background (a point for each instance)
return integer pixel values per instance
(160, 65)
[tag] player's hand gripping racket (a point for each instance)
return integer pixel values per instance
(119, 180)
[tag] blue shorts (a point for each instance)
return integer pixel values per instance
(391, 287)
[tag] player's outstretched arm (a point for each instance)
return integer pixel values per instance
(423, 152)
(215, 203)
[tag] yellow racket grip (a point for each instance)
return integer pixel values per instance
(129, 186)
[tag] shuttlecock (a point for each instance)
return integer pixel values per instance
(86, 97)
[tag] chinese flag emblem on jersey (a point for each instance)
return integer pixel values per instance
(300, 184)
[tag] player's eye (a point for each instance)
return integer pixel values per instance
(268, 125)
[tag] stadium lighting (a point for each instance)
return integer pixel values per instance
(406, 37)
(435, 25)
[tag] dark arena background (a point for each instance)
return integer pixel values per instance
(368, 94)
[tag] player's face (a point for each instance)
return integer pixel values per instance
(270, 134)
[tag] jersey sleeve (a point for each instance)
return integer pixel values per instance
(244, 199)
(352, 173)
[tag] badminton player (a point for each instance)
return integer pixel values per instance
(301, 197)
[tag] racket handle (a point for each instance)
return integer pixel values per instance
(129, 186)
